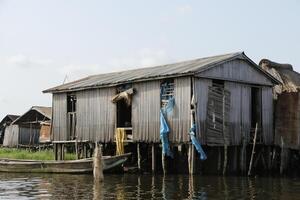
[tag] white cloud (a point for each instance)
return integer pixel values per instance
(23, 61)
(144, 58)
(184, 9)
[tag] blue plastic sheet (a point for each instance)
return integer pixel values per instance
(164, 128)
(196, 143)
(164, 132)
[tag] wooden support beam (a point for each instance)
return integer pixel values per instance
(163, 162)
(153, 158)
(191, 159)
(139, 156)
(225, 159)
(59, 152)
(84, 151)
(55, 151)
(62, 151)
(97, 164)
(243, 158)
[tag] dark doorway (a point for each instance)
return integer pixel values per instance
(71, 109)
(123, 114)
(256, 108)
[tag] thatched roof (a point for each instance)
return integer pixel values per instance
(289, 78)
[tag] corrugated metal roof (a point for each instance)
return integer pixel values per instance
(158, 72)
(46, 111)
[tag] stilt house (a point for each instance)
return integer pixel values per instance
(34, 126)
(230, 92)
(5, 123)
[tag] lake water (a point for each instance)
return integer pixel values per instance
(40, 186)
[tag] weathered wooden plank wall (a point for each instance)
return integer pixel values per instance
(240, 111)
(180, 119)
(11, 137)
(146, 111)
(201, 97)
(96, 115)
(29, 136)
(59, 114)
(237, 70)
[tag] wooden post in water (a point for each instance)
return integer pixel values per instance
(97, 164)
(253, 150)
(153, 158)
(243, 154)
(163, 161)
(139, 156)
(191, 159)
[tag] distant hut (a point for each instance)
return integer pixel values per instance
(229, 93)
(287, 104)
(34, 126)
(4, 125)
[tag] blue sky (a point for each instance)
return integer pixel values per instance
(42, 42)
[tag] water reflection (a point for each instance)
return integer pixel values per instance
(37, 186)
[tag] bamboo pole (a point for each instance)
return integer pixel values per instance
(253, 150)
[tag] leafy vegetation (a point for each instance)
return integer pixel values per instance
(31, 155)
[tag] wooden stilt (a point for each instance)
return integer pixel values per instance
(153, 158)
(243, 157)
(59, 152)
(55, 151)
(163, 162)
(253, 150)
(62, 151)
(235, 155)
(76, 148)
(191, 159)
(225, 159)
(283, 157)
(219, 160)
(139, 156)
(269, 158)
(84, 151)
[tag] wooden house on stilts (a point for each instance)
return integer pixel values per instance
(229, 94)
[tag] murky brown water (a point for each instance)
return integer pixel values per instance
(37, 186)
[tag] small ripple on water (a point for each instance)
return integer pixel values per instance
(26, 186)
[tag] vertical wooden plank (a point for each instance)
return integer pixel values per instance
(55, 151)
(59, 152)
(62, 151)
(153, 158)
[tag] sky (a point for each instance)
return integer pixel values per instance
(45, 43)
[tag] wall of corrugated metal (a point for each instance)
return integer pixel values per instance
(146, 111)
(201, 96)
(29, 136)
(59, 120)
(267, 115)
(240, 112)
(180, 119)
(237, 70)
(96, 115)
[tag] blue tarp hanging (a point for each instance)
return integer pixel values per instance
(164, 128)
(196, 143)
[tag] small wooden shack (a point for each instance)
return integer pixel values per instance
(230, 93)
(4, 125)
(34, 126)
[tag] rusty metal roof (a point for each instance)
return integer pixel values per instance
(158, 72)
